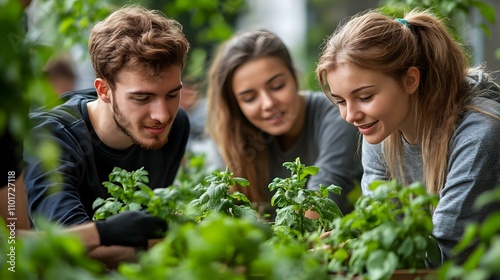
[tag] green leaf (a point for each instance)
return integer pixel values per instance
(381, 264)
(478, 274)
(467, 238)
(406, 247)
(449, 6)
(310, 170)
(301, 196)
(279, 199)
(420, 242)
(334, 189)
(491, 257)
(241, 197)
(490, 226)
(388, 234)
(485, 29)
(98, 202)
(112, 207)
(66, 24)
(285, 216)
(474, 258)
(340, 255)
(487, 198)
(241, 181)
(486, 10)
(375, 184)
(146, 189)
(134, 206)
(142, 178)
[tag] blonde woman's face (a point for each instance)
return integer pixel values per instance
(372, 101)
(267, 95)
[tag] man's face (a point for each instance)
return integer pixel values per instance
(145, 108)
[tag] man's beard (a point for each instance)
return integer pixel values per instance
(125, 126)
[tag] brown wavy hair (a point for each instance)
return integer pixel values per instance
(375, 41)
(243, 146)
(137, 38)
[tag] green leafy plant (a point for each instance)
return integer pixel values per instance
(224, 247)
(219, 247)
(217, 198)
(386, 231)
(389, 230)
(129, 191)
(483, 262)
(125, 190)
(294, 200)
(45, 255)
(193, 170)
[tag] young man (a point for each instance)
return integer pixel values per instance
(130, 120)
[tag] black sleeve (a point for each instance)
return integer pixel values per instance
(181, 127)
(54, 192)
(11, 153)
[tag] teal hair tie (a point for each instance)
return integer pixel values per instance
(404, 22)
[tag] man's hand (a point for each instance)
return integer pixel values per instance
(131, 228)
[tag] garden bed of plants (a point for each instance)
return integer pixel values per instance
(216, 234)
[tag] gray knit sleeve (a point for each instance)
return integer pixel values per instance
(473, 168)
(373, 165)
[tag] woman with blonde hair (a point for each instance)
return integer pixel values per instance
(259, 119)
(424, 114)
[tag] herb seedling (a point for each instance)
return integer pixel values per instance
(129, 191)
(122, 186)
(387, 231)
(224, 247)
(482, 262)
(217, 198)
(294, 200)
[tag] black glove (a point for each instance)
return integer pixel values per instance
(130, 228)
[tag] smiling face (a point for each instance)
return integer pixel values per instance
(373, 101)
(145, 108)
(267, 94)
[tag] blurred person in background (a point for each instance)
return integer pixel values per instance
(194, 102)
(60, 70)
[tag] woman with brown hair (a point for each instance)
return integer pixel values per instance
(259, 119)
